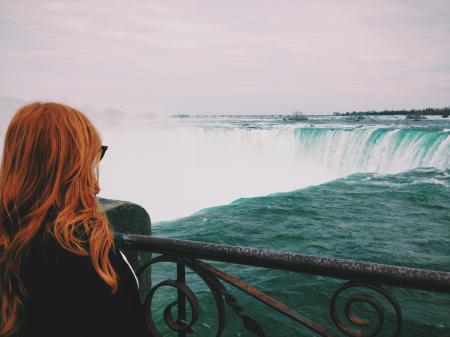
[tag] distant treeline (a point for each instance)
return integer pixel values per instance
(424, 112)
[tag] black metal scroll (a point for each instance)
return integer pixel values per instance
(372, 302)
(219, 292)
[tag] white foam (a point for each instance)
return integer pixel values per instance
(174, 169)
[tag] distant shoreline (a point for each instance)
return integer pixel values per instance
(424, 112)
(445, 112)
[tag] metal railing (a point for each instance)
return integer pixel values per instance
(371, 276)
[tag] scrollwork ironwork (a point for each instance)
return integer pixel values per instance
(369, 300)
(211, 276)
(217, 289)
(176, 325)
(376, 299)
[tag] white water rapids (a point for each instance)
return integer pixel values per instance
(177, 169)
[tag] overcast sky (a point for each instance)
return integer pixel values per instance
(234, 56)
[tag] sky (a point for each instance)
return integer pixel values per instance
(227, 57)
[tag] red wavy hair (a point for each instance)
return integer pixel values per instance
(48, 182)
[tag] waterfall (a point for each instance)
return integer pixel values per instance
(176, 170)
(382, 150)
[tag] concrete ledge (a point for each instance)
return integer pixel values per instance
(129, 218)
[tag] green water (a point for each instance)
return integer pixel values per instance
(395, 211)
(401, 219)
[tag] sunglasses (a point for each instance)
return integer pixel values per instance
(103, 149)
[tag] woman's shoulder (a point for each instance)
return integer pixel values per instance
(47, 259)
(46, 249)
(49, 264)
(64, 285)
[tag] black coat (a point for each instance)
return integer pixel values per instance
(67, 298)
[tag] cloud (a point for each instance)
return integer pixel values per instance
(227, 57)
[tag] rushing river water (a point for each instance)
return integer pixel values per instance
(375, 190)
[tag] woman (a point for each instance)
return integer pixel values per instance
(60, 272)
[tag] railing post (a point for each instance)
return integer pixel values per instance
(181, 278)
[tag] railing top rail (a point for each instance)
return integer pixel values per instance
(317, 265)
